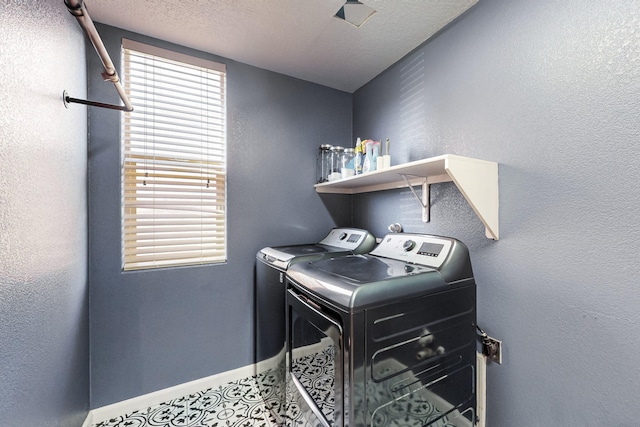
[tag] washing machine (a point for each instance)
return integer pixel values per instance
(384, 339)
(271, 267)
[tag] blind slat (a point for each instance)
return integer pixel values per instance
(160, 161)
(168, 230)
(169, 246)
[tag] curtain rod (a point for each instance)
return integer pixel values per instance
(78, 9)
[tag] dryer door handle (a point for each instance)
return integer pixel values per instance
(313, 312)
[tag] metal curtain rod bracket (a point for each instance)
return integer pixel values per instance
(425, 200)
(77, 9)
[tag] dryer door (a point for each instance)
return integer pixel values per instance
(315, 344)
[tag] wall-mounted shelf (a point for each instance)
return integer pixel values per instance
(476, 179)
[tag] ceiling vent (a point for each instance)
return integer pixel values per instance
(355, 13)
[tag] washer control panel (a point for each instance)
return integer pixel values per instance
(415, 248)
(347, 238)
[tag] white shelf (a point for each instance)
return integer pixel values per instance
(476, 179)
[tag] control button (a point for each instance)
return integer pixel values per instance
(343, 236)
(408, 245)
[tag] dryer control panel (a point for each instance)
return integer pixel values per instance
(348, 238)
(420, 249)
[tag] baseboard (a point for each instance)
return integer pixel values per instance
(144, 401)
(481, 395)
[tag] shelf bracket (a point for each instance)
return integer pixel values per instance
(478, 183)
(425, 200)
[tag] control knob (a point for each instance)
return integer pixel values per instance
(343, 236)
(408, 245)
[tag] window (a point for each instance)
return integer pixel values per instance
(173, 159)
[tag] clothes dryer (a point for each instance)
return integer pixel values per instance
(386, 338)
(271, 267)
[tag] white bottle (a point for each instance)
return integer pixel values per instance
(358, 160)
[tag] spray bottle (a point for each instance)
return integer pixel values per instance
(368, 165)
(358, 160)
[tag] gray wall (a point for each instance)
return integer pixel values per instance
(44, 337)
(550, 90)
(155, 329)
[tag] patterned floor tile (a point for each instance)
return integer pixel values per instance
(258, 401)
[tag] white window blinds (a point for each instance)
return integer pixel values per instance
(174, 159)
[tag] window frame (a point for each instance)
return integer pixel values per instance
(150, 252)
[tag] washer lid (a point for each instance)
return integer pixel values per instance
(365, 269)
(341, 240)
(359, 281)
(286, 253)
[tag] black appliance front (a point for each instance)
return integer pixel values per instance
(407, 345)
(316, 343)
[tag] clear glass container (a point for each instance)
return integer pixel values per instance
(323, 163)
(336, 162)
(348, 163)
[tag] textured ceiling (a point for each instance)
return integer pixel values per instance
(299, 38)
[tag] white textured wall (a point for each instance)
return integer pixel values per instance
(43, 218)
